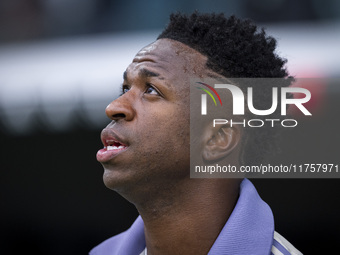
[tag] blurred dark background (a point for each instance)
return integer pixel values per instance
(61, 63)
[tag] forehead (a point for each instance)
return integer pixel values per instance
(167, 48)
(171, 59)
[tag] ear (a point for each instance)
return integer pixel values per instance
(220, 142)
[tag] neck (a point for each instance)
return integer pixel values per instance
(188, 219)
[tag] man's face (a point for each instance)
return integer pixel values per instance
(147, 142)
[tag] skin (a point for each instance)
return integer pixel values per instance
(181, 215)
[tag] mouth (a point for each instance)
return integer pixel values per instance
(113, 145)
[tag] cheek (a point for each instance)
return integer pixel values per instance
(165, 136)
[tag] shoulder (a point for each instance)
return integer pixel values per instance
(129, 242)
(108, 246)
(282, 246)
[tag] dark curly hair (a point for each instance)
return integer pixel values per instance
(236, 49)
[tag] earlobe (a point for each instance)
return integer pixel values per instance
(222, 142)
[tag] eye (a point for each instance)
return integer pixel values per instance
(151, 90)
(125, 89)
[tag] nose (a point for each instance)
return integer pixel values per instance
(120, 109)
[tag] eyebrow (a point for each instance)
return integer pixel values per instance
(145, 73)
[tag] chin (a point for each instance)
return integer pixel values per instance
(119, 181)
(113, 180)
